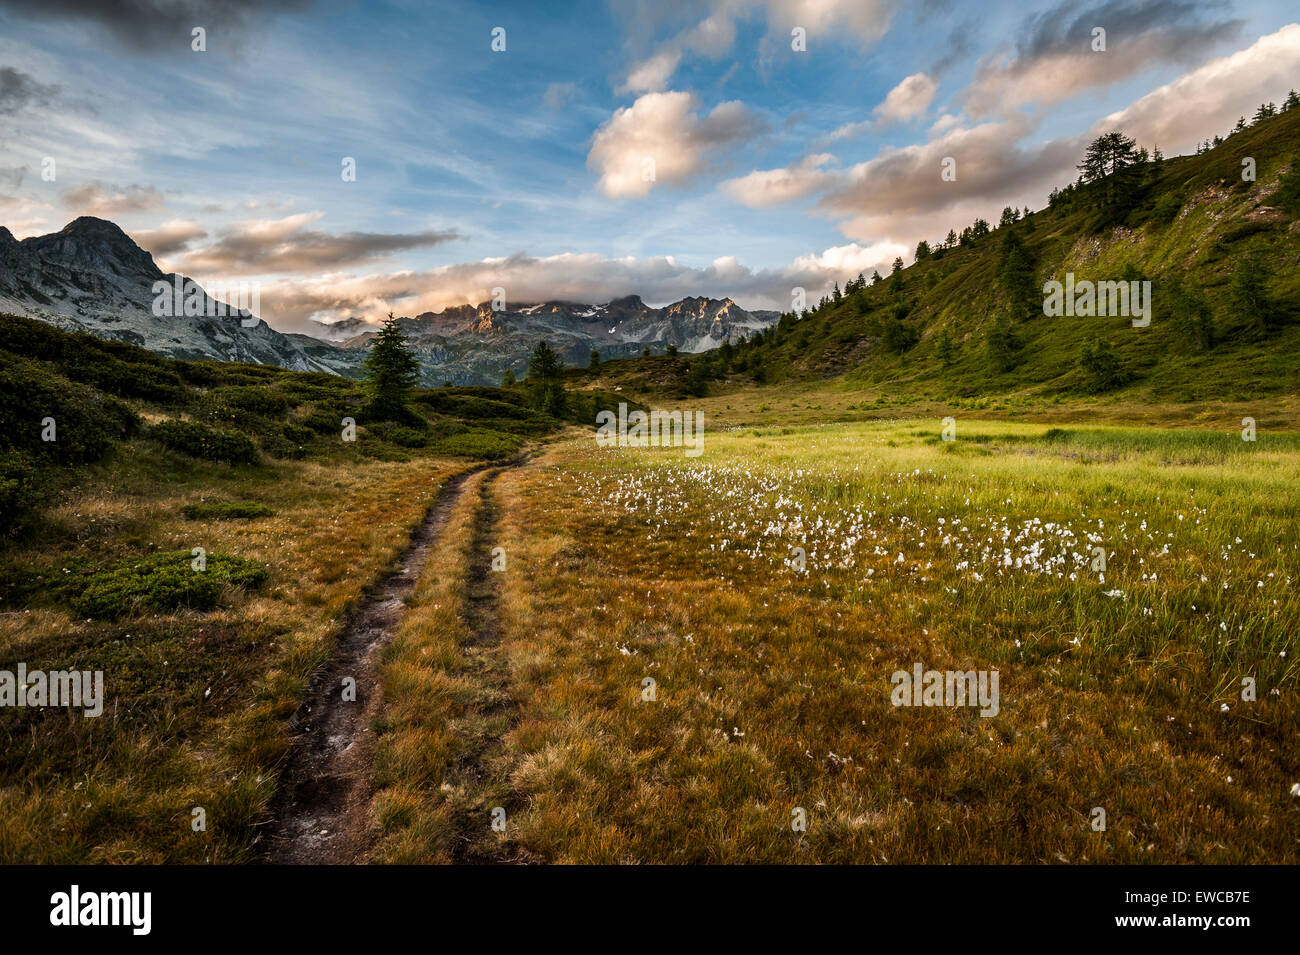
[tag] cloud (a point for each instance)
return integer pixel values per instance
(866, 20)
(104, 200)
(769, 187)
(661, 139)
(901, 192)
(19, 89)
(1054, 60)
(713, 36)
(908, 99)
(559, 95)
(582, 277)
(158, 24)
(265, 246)
(169, 238)
(1211, 98)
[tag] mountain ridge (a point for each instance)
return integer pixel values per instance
(91, 276)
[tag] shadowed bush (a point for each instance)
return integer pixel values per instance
(199, 441)
(164, 581)
(226, 510)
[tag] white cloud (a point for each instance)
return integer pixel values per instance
(908, 99)
(769, 187)
(1209, 100)
(865, 20)
(580, 277)
(661, 139)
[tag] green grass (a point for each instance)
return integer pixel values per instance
(167, 581)
(226, 510)
(1219, 220)
(1120, 689)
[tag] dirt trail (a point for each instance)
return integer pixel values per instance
(494, 712)
(322, 814)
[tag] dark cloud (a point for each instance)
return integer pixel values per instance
(1053, 59)
(169, 238)
(103, 200)
(158, 24)
(959, 45)
(18, 89)
(290, 245)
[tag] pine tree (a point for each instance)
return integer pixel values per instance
(1017, 277)
(1250, 295)
(1265, 111)
(1190, 313)
(946, 348)
(1002, 343)
(922, 250)
(1109, 165)
(1292, 101)
(544, 365)
(1101, 366)
(594, 362)
(509, 379)
(391, 372)
(951, 241)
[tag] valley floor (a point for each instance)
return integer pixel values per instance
(632, 655)
(768, 733)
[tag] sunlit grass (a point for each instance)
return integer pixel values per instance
(772, 684)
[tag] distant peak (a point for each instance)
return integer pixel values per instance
(92, 226)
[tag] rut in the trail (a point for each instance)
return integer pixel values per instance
(322, 814)
(479, 777)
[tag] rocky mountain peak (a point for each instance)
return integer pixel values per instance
(89, 243)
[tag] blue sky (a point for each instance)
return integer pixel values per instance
(524, 169)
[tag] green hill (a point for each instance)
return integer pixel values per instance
(1222, 255)
(69, 401)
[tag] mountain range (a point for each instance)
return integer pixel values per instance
(90, 276)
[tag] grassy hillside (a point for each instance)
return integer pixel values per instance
(1194, 228)
(70, 400)
(118, 470)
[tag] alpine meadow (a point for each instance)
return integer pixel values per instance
(737, 432)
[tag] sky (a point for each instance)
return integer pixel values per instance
(588, 150)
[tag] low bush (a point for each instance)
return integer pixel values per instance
(479, 444)
(226, 510)
(199, 441)
(162, 582)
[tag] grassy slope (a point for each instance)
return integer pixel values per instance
(1219, 219)
(773, 685)
(197, 699)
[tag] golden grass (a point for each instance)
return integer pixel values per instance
(197, 703)
(772, 686)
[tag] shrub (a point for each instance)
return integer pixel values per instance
(164, 581)
(408, 437)
(23, 484)
(1101, 366)
(1167, 208)
(198, 441)
(86, 424)
(328, 420)
(479, 444)
(225, 510)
